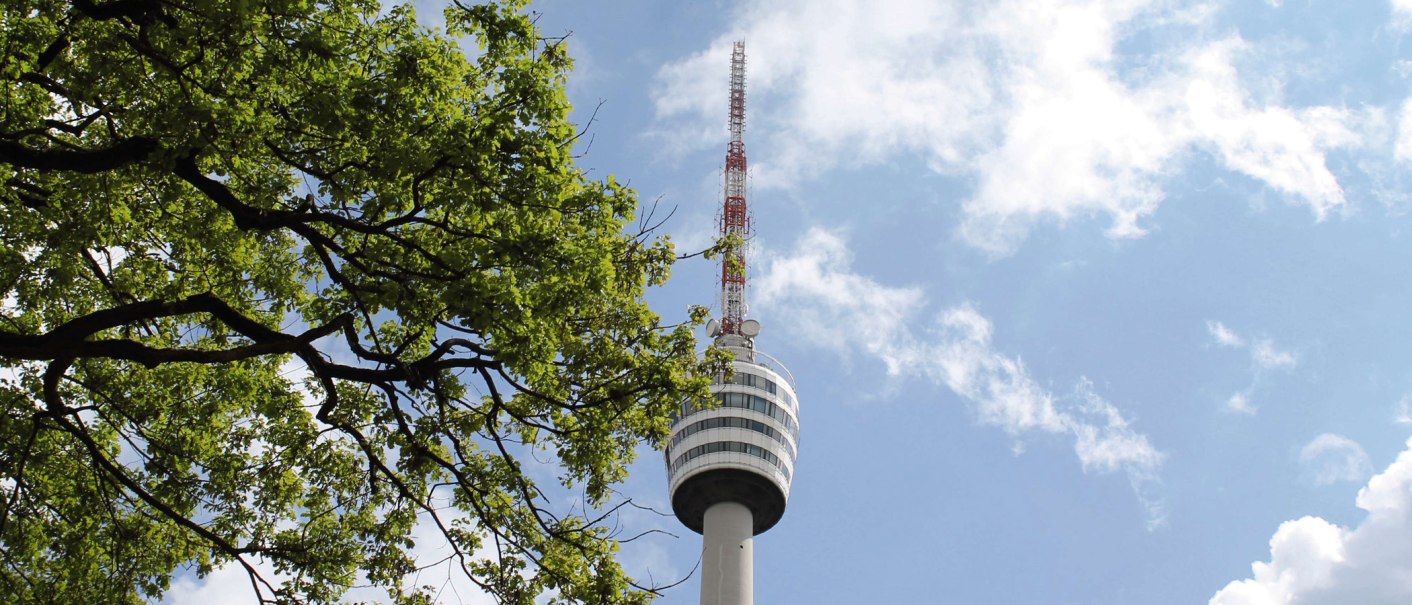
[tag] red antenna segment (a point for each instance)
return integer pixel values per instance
(735, 218)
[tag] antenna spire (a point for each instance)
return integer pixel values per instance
(735, 218)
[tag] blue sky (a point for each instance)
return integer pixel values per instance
(1087, 301)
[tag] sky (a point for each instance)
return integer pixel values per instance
(1086, 301)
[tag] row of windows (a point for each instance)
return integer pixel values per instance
(730, 446)
(751, 380)
(733, 422)
(749, 402)
(762, 383)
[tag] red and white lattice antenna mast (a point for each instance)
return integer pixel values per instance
(735, 218)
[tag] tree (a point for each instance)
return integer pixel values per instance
(283, 279)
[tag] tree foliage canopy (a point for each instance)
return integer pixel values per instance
(284, 279)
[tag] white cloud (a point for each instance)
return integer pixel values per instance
(1239, 403)
(1105, 440)
(1331, 458)
(1280, 146)
(1224, 336)
(1403, 147)
(9, 378)
(1314, 562)
(832, 307)
(1403, 415)
(1267, 357)
(1401, 13)
(960, 356)
(228, 584)
(852, 311)
(437, 568)
(1303, 553)
(1032, 101)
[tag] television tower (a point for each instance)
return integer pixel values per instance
(729, 467)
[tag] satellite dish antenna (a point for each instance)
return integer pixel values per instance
(713, 328)
(750, 328)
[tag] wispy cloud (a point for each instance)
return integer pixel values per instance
(959, 355)
(849, 311)
(1224, 336)
(1034, 101)
(1332, 458)
(1315, 562)
(1403, 149)
(827, 304)
(1265, 357)
(1239, 402)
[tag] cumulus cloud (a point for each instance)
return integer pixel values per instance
(1303, 553)
(1039, 103)
(822, 294)
(1331, 458)
(1315, 562)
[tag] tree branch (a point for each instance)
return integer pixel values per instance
(86, 161)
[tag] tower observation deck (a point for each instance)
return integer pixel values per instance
(742, 450)
(729, 467)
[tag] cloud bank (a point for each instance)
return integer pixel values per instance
(1314, 562)
(1051, 109)
(822, 293)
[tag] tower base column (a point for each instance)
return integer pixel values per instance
(728, 556)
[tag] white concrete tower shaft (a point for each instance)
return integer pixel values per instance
(728, 556)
